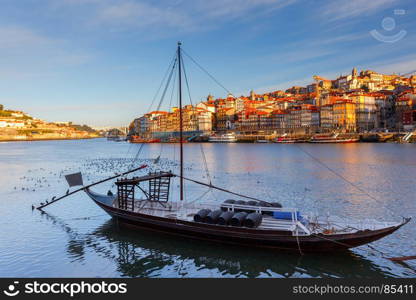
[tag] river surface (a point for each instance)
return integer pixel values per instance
(75, 238)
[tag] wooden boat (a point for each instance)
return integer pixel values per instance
(285, 140)
(296, 233)
(145, 202)
(289, 140)
(376, 138)
(323, 139)
(175, 140)
(139, 140)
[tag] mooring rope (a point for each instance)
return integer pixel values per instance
(340, 176)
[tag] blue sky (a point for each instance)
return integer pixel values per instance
(100, 62)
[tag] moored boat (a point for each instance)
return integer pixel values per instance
(285, 140)
(229, 137)
(261, 141)
(376, 138)
(289, 140)
(277, 228)
(332, 139)
(139, 140)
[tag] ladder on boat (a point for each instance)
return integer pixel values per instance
(125, 196)
(159, 188)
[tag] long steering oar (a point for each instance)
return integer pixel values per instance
(76, 179)
(402, 258)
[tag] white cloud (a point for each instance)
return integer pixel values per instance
(25, 53)
(235, 8)
(17, 37)
(346, 38)
(167, 14)
(140, 14)
(399, 65)
(284, 85)
(342, 9)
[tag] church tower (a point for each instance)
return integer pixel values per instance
(252, 95)
(354, 72)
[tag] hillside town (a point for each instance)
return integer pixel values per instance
(19, 126)
(359, 102)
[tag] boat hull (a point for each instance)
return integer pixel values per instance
(376, 138)
(341, 141)
(272, 239)
(219, 140)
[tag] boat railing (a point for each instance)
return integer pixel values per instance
(260, 209)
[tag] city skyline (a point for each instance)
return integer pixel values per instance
(100, 62)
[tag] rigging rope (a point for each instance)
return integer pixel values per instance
(221, 189)
(151, 104)
(173, 62)
(137, 155)
(337, 174)
(170, 105)
(172, 69)
(356, 187)
(194, 108)
(205, 71)
(167, 85)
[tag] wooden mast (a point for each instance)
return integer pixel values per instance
(180, 120)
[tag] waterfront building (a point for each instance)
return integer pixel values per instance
(278, 120)
(264, 120)
(406, 112)
(326, 118)
(247, 120)
(225, 119)
(323, 106)
(293, 119)
(309, 118)
(365, 111)
(385, 112)
(344, 115)
(204, 120)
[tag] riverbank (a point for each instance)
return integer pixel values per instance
(37, 139)
(39, 130)
(376, 137)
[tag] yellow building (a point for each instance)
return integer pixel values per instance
(344, 115)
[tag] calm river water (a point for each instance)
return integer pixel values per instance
(76, 239)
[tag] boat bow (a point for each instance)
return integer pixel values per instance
(100, 198)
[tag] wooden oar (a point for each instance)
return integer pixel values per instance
(402, 258)
(90, 185)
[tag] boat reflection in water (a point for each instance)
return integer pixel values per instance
(143, 254)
